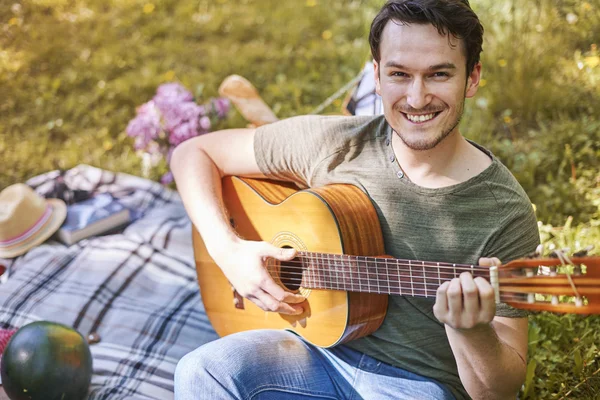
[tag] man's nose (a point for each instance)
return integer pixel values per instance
(418, 96)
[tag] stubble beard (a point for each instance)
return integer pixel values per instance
(421, 145)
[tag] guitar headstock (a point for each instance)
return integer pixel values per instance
(558, 283)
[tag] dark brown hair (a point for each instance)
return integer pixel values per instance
(449, 17)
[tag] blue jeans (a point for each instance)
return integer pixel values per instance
(270, 364)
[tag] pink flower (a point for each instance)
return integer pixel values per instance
(205, 124)
(221, 106)
(171, 118)
(146, 126)
(148, 108)
(175, 114)
(169, 154)
(173, 92)
(167, 178)
(183, 132)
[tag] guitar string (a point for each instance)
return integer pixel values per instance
(318, 256)
(505, 295)
(320, 278)
(300, 267)
(373, 275)
(418, 271)
(403, 288)
(332, 279)
(519, 297)
(388, 262)
(329, 257)
(382, 260)
(331, 282)
(419, 264)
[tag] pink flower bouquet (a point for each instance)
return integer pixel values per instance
(171, 118)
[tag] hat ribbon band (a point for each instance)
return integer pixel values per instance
(29, 232)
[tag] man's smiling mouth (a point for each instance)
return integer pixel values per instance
(420, 118)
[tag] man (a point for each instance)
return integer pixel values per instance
(438, 196)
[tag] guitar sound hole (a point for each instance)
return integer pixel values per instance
(290, 273)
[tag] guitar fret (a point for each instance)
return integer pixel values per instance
(326, 272)
(377, 277)
(424, 278)
(318, 276)
(338, 284)
(320, 271)
(439, 275)
(332, 273)
(351, 280)
(387, 274)
(365, 274)
(346, 270)
(359, 278)
(412, 287)
(368, 278)
(399, 278)
(331, 270)
(314, 276)
(341, 268)
(323, 273)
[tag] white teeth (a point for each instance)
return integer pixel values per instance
(420, 118)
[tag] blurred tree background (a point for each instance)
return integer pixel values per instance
(73, 71)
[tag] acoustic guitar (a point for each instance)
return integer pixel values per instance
(342, 270)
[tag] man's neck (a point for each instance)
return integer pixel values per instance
(452, 161)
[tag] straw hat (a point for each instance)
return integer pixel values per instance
(27, 219)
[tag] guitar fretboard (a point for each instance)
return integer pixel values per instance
(375, 274)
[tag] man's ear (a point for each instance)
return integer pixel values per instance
(376, 72)
(473, 81)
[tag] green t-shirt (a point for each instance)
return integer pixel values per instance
(488, 215)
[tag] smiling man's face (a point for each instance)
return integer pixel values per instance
(423, 83)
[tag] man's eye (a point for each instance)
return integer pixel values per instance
(399, 74)
(441, 75)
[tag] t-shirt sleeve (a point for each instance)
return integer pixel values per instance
(294, 149)
(290, 149)
(517, 237)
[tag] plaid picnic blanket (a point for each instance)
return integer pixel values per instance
(137, 290)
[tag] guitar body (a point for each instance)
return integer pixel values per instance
(337, 219)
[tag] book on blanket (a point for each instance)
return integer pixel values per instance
(97, 215)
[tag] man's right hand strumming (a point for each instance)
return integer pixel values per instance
(244, 264)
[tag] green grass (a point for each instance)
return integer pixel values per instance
(72, 73)
(76, 70)
(563, 349)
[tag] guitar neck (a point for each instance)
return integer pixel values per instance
(374, 274)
